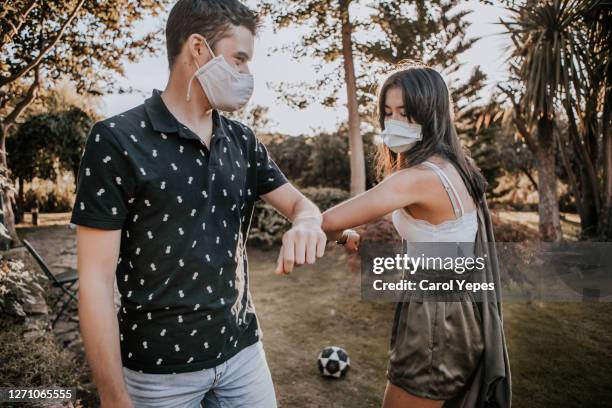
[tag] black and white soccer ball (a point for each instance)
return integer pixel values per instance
(333, 362)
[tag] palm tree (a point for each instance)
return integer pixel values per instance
(597, 18)
(547, 37)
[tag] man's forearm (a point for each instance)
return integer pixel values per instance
(100, 333)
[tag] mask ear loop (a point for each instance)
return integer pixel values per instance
(188, 98)
(403, 296)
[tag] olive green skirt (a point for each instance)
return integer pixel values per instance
(436, 345)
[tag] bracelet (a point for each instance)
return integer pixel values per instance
(344, 238)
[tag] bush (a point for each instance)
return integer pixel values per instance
(268, 226)
(41, 362)
(329, 162)
(292, 155)
(511, 231)
(325, 197)
(381, 230)
(53, 201)
(36, 362)
(18, 285)
(321, 160)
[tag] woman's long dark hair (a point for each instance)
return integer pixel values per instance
(427, 102)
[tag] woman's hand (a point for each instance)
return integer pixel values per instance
(350, 239)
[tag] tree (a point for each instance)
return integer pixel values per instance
(46, 143)
(330, 39)
(256, 117)
(596, 17)
(540, 32)
(561, 61)
(6, 184)
(495, 146)
(77, 40)
(431, 31)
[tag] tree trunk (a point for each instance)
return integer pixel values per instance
(588, 199)
(356, 152)
(19, 208)
(7, 196)
(548, 205)
(589, 216)
(569, 169)
(6, 199)
(605, 219)
(591, 191)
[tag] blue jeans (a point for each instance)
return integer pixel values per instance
(242, 381)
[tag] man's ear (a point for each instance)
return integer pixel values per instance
(195, 45)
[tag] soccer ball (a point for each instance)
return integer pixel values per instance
(333, 362)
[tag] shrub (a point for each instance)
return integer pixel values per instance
(268, 226)
(18, 285)
(320, 160)
(510, 231)
(55, 200)
(292, 155)
(381, 230)
(325, 197)
(41, 362)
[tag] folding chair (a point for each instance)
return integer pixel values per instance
(64, 281)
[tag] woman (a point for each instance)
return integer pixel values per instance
(442, 353)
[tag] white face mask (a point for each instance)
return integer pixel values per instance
(226, 88)
(400, 136)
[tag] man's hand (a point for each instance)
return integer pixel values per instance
(303, 243)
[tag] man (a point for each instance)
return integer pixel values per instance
(164, 200)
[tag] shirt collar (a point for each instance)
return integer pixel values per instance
(163, 121)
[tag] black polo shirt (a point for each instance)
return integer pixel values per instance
(184, 212)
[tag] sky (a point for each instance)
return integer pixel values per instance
(269, 67)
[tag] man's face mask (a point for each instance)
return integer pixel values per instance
(400, 136)
(226, 88)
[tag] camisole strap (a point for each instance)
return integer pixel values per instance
(449, 187)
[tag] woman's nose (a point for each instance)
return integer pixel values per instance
(397, 116)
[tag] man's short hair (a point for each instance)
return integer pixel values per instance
(210, 18)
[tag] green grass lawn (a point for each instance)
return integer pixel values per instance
(560, 354)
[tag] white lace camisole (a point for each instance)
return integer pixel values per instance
(461, 229)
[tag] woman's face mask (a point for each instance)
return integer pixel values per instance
(400, 136)
(226, 88)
